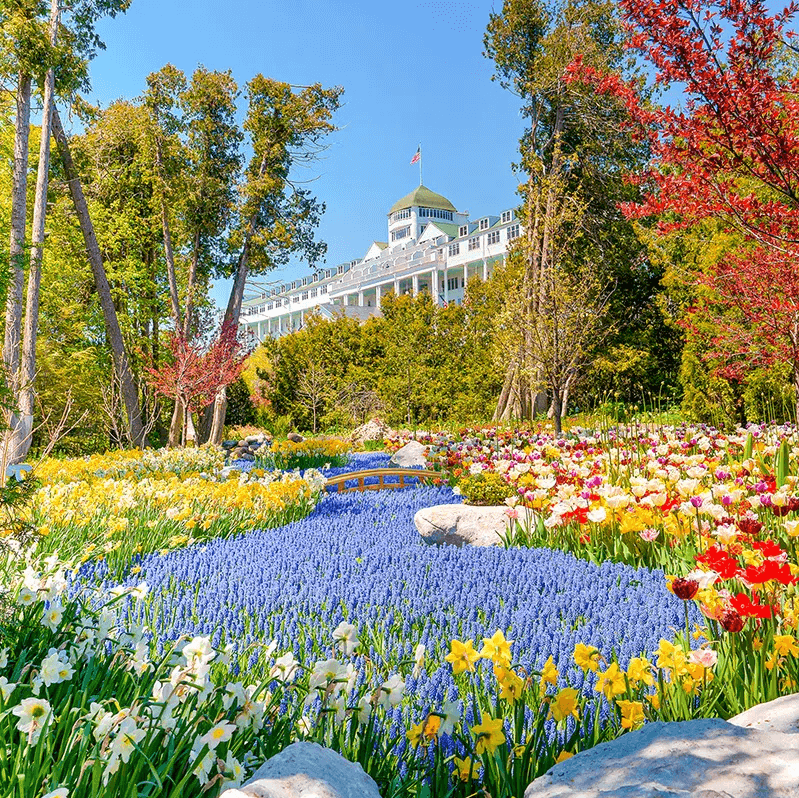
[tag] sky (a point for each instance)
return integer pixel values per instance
(413, 73)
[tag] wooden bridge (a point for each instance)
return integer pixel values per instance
(340, 482)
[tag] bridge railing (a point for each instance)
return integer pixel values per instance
(339, 482)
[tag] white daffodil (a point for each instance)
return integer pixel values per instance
(391, 692)
(34, 714)
(345, 638)
(218, 733)
(6, 688)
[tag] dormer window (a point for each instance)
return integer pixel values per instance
(463, 230)
(506, 216)
(484, 223)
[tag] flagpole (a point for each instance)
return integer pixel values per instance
(420, 163)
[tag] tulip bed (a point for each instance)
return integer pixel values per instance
(657, 581)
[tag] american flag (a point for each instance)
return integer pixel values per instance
(417, 156)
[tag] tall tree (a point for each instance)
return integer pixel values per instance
(122, 368)
(729, 153)
(286, 127)
(572, 154)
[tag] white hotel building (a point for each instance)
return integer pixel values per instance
(431, 247)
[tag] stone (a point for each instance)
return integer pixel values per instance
(253, 439)
(373, 430)
(229, 444)
(462, 524)
(779, 715)
(241, 444)
(708, 758)
(295, 437)
(410, 455)
(307, 770)
(247, 457)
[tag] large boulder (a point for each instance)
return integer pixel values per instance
(410, 456)
(708, 758)
(307, 770)
(779, 715)
(462, 524)
(295, 437)
(373, 430)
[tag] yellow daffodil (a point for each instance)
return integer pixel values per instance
(465, 769)
(611, 682)
(414, 734)
(489, 733)
(496, 648)
(640, 670)
(563, 756)
(462, 656)
(632, 713)
(564, 704)
(586, 657)
(549, 673)
(786, 644)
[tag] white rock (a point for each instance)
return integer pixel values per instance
(462, 524)
(373, 430)
(307, 770)
(779, 715)
(410, 455)
(699, 758)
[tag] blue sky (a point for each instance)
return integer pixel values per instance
(411, 72)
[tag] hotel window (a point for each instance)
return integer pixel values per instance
(484, 224)
(323, 289)
(493, 237)
(286, 302)
(506, 216)
(513, 232)
(403, 214)
(305, 295)
(454, 249)
(314, 292)
(295, 298)
(463, 230)
(403, 232)
(270, 305)
(454, 283)
(474, 243)
(435, 213)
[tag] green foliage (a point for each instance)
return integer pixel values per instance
(240, 410)
(485, 488)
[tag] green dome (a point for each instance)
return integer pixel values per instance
(422, 196)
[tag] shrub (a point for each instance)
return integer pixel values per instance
(485, 488)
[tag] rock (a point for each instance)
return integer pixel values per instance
(707, 758)
(242, 444)
(253, 439)
(462, 524)
(237, 453)
(373, 430)
(295, 437)
(307, 770)
(779, 715)
(247, 456)
(410, 455)
(229, 444)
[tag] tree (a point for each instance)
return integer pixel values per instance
(728, 154)
(276, 218)
(194, 374)
(572, 154)
(313, 391)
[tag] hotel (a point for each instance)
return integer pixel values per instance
(431, 247)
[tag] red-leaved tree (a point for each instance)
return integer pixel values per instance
(194, 374)
(729, 152)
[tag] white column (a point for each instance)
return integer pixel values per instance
(485, 269)
(396, 287)
(377, 295)
(434, 285)
(465, 275)
(416, 285)
(360, 299)
(446, 287)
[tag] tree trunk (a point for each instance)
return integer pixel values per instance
(232, 313)
(11, 348)
(176, 426)
(120, 358)
(190, 284)
(21, 432)
(169, 254)
(191, 434)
